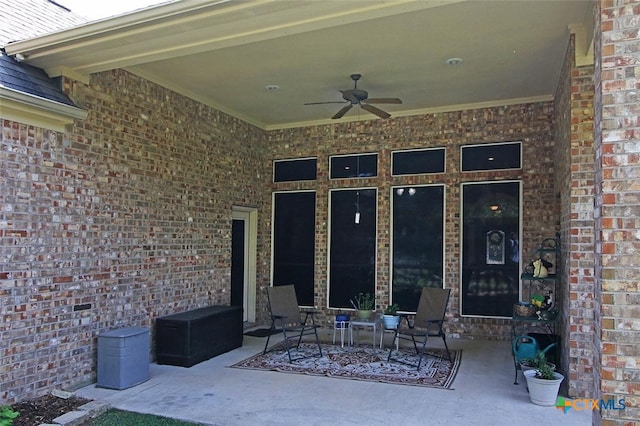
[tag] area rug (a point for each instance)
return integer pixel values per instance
(361, 363)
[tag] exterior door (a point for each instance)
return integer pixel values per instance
(243, 258)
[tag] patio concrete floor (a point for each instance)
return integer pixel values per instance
(210, 393)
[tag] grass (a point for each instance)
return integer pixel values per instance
(115, 417)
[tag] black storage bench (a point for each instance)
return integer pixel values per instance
(188, 338)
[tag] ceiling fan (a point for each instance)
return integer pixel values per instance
(360, 97)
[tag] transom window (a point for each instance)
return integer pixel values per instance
(353, 166)
(494, 156)
(295, 170)
(417, 161)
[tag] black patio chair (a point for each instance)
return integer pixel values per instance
(428, 322)
(286, 316)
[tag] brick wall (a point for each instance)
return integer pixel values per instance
(530, 123)
(128, 214)
(574, 174)
(617, 206)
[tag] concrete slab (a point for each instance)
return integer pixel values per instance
(213, 394)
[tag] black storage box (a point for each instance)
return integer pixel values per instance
(188, 338)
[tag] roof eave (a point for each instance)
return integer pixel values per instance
(30, 109)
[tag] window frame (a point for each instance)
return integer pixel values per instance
(485, 145)
(363, 154)
(444, 161)
(273, 238)
(329, 240)
(292, 160)
(462, 265)
(392, 253)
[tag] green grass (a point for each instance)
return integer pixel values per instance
(115, 417)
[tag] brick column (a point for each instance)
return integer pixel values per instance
(617, 206)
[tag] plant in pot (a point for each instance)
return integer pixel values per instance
(364, 304)
(543, 381)
(539, 358)
(390, 317)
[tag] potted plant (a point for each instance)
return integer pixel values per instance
(364, 304)
(539, 358)
(543, 381)
(390, 317)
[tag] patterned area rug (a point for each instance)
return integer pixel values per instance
(361, 363)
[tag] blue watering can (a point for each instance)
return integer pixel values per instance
(525, 347)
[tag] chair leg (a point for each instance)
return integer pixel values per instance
(444, 339)
(315, 331)
(395, 336)
(287, 344)
(422, 351)
(266, 345)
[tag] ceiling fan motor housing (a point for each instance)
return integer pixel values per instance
(359, 94)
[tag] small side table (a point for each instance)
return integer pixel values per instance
(343, 326)
(372, 322)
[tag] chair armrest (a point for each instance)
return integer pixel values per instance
(309, 313)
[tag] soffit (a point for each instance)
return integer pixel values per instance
(224, 54)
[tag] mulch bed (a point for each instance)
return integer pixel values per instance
(44, 409)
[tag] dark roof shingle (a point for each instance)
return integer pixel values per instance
(30, 80)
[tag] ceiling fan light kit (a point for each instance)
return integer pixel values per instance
(360, 97)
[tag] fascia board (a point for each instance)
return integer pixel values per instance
(195, 26)
(37, 111)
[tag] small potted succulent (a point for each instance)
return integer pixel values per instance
(390, 317)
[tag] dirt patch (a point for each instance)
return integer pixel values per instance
(44, 409)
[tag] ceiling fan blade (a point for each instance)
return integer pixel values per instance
(377, 111)
(383, 101)
(330, 102)
(342, 111)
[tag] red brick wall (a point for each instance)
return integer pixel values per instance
(128, 212)
(531, 123)
(617, 206)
